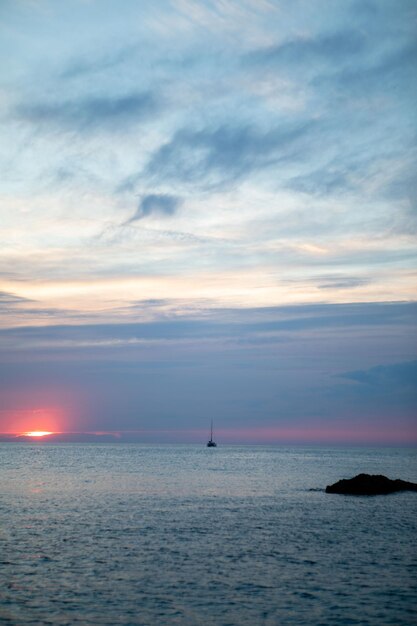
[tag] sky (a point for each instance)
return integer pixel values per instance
(208, 212)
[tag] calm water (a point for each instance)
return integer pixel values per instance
(236, 536)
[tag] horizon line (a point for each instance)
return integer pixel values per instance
(224, 437)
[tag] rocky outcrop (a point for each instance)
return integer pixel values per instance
(370, 485)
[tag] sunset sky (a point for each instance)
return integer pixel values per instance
(208, 211)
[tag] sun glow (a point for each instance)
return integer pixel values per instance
(37, 433)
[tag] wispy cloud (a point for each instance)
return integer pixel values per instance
(342, 282)
(335, 48)
(159, 204)
(91, 113)
(220, 156)
(387, 377)
(231, 324)
(395, 68)
(79, 67)
(7, 298)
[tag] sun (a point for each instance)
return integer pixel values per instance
(38, 433)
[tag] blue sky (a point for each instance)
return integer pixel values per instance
(208, 208)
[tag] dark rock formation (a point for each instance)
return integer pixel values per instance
(370, 485)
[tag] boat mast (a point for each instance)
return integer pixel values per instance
(211, 443)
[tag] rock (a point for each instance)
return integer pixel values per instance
(370, 485)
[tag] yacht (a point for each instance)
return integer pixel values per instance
(211, 443)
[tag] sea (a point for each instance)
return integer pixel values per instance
(155, 535)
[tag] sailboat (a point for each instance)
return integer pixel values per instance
(211, 443)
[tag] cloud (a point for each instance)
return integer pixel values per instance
(332, 47)
(91, 113)
(393, 70)
(342, 282)
(160, 204)
(388, 389)
(227, 153)
(219, 324)
(17, 310)
(11, 298)
(81, 66)
(335, 177)
(346, 62)
(387, 376)
(14, 306)
(388, 176)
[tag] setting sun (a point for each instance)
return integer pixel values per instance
(37, 433)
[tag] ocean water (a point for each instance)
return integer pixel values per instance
(186, 535)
